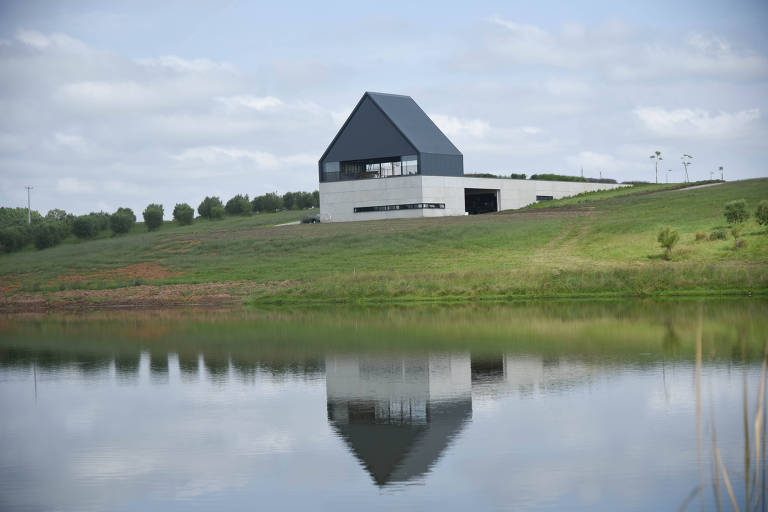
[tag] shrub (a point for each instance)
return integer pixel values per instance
(238, 205)
(101, 219)
(153, 216)
(14, 238)
(183, 214)
(668, 238)
(85, 227)
(736, 211)
(217, 212)
(761, 214)
(740, 244)
(122, 220)
(718, 234)
(701, 236)
(205, 207)
(17, 217)
(49, 234)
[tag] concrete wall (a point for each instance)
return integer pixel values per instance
(338, 199)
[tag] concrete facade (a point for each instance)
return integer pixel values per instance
(338, 200)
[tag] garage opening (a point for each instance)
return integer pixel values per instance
(481, 200)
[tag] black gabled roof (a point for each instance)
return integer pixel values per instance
(414, 123)
(409, 120)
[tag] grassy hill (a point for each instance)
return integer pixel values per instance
(603, 244)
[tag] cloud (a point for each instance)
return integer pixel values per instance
(455, 127)
(262, 159)
(74, 186)
(179, 65)
(251, 102)
(696, 122)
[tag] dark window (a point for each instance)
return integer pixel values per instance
(386, 167)
(389, 207)
(544, 198)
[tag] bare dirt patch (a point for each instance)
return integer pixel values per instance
(145, 296)
(144, 271)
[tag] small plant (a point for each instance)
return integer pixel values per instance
(153, 216)
(183, 214)
(735, 212)
(668, 238)
(701, 236)
(761, 214)
(718, 234)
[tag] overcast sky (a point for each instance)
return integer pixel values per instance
(108, 104)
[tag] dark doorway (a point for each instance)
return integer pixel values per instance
(481, 200)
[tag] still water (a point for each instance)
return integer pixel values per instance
(524, 406)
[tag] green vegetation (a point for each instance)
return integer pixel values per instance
(761, 213)
(238, 205)
(599, 245)
(183, 214)
(668, 239)
(736, 211)
(122, 221)
(153, 216)
(208, 208)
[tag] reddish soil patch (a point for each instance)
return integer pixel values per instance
(144, 271)
(145, 296)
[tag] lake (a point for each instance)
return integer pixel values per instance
(577, 405)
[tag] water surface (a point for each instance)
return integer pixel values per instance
(535, 406)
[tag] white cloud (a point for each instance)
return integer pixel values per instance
(262, 159)
(251, 102)
(177, 64)
(455, 127)
(74, 186)
(696, 122)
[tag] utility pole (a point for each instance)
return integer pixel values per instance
(29, 209)
(668, 171)
(721, 173)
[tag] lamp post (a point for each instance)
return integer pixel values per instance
(29, 210)
(657, 156)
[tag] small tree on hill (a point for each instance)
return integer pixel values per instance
(668, 238)
(153, 216)
(85, 227)
(270, 202)
(122, 220)
(238, 205)
(761, 214)
(49, 233)
(736, 211)
(217, 212)
(207, 205)
(183, 214)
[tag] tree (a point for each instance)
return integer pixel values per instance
(657, 157)
(270, 202)
(686, 161)
(48, 234)
(668, 238)
(238, 205)
(217, 212)
(761, 214)
(56, 214)
(85, 227)
(183, 214)
(153, 216)
(736, 211)
(205, 207)
(14, 238)
(122, 220)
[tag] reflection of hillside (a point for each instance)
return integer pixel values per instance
(398, 414)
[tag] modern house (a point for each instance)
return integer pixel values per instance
(389, 160)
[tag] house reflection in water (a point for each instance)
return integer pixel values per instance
(398, 413)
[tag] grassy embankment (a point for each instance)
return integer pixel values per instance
(599, 245)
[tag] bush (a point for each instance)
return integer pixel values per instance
(122, 220)
(270, 202)
(183, 214)
(85, 227)
(207, 205)
(14, 238)
(736, 211)
(701, 236)
(49, 234)
(761, 214)
(238, 205)
(153, 216)
(17, 217)
(217, 212)
(718, 234)
(668, 238)
(556, 177)
(101, 219)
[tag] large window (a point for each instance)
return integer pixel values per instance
(390, 207)
(373, 168)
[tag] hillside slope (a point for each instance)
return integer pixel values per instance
(598, 246)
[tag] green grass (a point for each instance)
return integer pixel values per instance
(604, 245)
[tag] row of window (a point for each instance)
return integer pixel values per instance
(544, 198)
(389, 207)
(373, 168)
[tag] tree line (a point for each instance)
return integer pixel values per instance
(50, 230)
